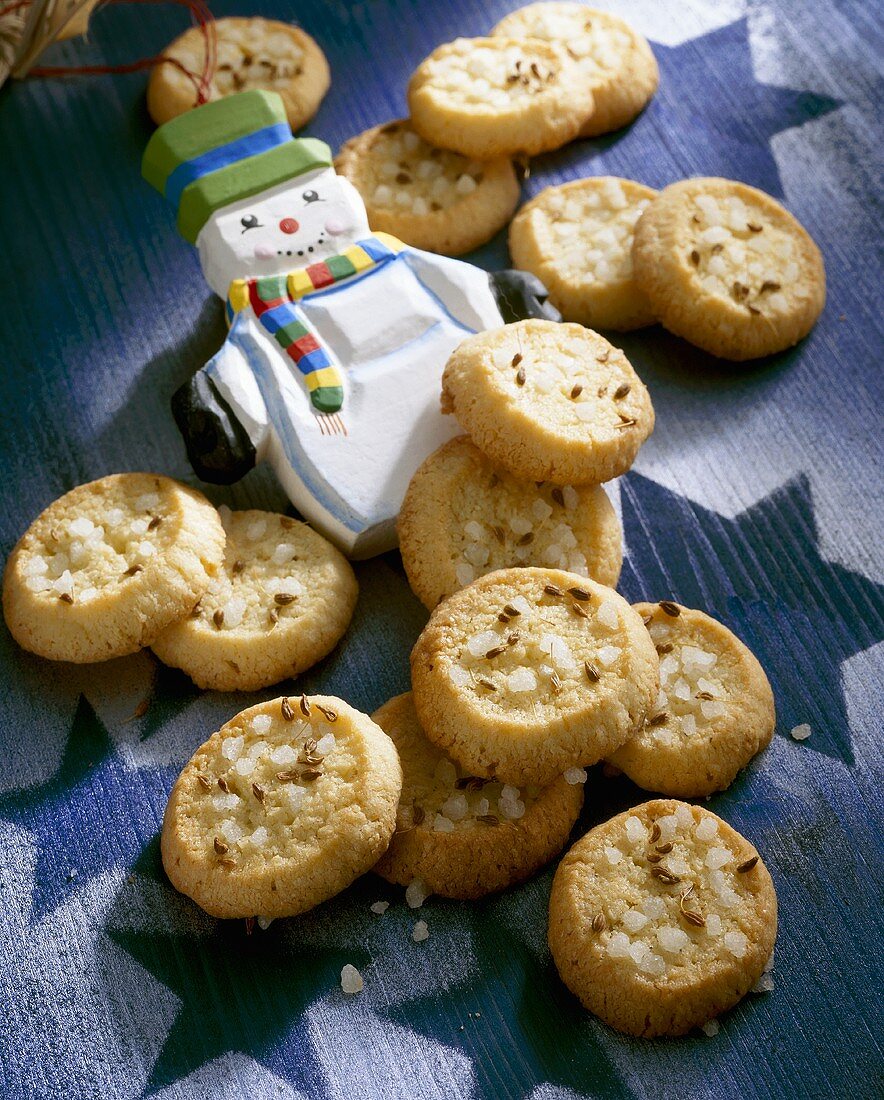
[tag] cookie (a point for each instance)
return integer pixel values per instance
(715, 709)
(728, 268)
(493, 97)
(460, 835)
(250, 53)
(577, 239)
(282, 808)
(661, 918)
(463, 517)
(428, 197)
(548, 401)
(528, 672)
(282, 601)
(108, 566)
(615, 61)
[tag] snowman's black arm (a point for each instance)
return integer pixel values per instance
(521, 295)
(218, 446)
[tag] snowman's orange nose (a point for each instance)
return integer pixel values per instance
(288, 225)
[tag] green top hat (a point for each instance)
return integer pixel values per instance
(226, 150)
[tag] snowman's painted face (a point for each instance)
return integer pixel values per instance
(295, 224)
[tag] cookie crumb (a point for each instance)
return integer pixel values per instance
(574, 776)
(710, 1028)
(380, 907)
(801, 732)
(764, 984)
(351, 979)
(264, 922)
(416, 894)
(420, 932)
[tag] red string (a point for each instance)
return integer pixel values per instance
(201, 17)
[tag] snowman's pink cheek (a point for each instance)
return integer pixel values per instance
(263, 252)
(336, 226)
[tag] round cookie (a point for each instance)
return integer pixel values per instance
(661, 918)
(728, 268)
(715, 709)
(281, 603)
(251, 53)
(463, 517)
(528, 672)
(282, 808)
(615, 61)
(109, 565)
(461, 835)
(493, 97)
(577, 238)
(428, 197)
(549, 401)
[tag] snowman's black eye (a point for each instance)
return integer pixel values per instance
(250, 221)
(311, 196)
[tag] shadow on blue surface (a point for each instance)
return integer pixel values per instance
(762, 574)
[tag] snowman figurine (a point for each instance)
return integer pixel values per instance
(332, 366)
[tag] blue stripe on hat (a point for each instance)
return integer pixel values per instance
(223, 155)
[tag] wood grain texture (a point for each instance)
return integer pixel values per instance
(758, 498)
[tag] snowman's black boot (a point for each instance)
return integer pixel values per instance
(218, 446)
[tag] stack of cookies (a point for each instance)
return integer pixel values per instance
(551, 411)
(238, 600)
(676, 701)
(715, 261)
(445, 178)
(530, 670)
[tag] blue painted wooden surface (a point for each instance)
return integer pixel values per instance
(759, 498)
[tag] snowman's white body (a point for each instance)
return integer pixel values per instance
(389, 330)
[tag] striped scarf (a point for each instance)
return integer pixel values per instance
(274, 298)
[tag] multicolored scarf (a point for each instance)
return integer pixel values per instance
(273, 299)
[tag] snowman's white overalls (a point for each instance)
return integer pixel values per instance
(389, 331)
